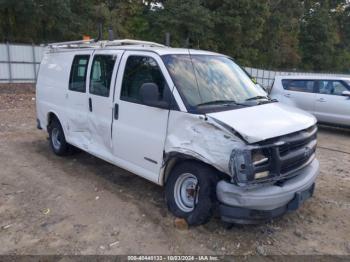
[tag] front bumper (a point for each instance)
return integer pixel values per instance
(244, 205)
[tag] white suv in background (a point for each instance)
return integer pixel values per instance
(327, 98)
(190, 120)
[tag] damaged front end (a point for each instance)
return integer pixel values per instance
(269, 178)
(273, 160)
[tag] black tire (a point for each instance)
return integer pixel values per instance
(63, 148)
(206, 196)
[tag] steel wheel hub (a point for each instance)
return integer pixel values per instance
(186, 192)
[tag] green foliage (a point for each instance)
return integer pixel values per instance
(280, 43)
(188, 22)
(238, 27)
(318, 37)
(278, 34)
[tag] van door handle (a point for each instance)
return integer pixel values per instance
(116, 111)
(322, 100)
(287, 95)
(90, 104)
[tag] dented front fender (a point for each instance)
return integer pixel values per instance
(201, 138)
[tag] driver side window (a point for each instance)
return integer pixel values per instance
(138, 71)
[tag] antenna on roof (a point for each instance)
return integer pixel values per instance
(187, 42)
(99, 36)
(110, 34)
(167, 39)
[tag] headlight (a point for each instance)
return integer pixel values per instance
(261, 174)
(259, 158)
(248, 165)
(241, 166)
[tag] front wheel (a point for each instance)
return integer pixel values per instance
(57, 139)
(191, 192)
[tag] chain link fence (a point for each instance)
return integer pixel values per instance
(19, 63)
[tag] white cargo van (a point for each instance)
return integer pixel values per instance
(189, 120)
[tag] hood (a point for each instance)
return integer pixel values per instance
(258, 123)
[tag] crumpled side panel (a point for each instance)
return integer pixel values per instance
(202, 138)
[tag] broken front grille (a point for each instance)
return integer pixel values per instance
(290, 153)
(298, 140)
(280, 158)
(297, 150)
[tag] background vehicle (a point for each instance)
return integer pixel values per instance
(190, 120)
(327, 98)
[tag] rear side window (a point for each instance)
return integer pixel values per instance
(306, 86)
(329, 87)
(138, 71)
(101, 74)
(77, 79)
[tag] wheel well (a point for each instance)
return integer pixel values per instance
(50, 117)
(174, 159)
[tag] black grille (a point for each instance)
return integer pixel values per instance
(297, 150)
(298, 140)
(287, 168)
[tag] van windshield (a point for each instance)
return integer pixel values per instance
(207, 81)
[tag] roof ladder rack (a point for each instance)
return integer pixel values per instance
(73, 44)
(101, 44)
(130, 42)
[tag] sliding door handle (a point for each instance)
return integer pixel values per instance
(90, 104)
(116, 111)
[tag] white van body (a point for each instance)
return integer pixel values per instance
(152, 141)
(326, 97)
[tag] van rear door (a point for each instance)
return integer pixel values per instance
(76, 100)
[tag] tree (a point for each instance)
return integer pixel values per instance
(238, 27)
(279, 47)
(185, 20)
(279, 34)
(342, 16)
(318, 36)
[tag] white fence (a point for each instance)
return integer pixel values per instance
(19, 63)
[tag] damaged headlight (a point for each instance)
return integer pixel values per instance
(249, 164)
(259, 157)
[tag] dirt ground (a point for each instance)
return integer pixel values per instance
(83, 205)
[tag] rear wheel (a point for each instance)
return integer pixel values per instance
(191, 192)
(57, 139)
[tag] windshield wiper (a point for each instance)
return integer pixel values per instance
(221, 102)
(257, 98)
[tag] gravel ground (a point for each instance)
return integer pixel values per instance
(83, 205)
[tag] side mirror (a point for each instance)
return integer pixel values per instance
(150, 96)
(346, 93)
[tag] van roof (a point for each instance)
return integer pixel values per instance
(125, 44)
